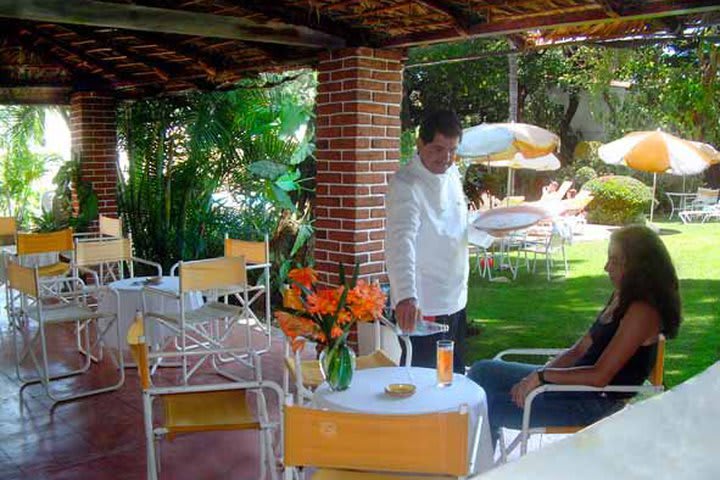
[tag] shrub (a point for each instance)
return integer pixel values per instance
(584, 175)
(618, 200)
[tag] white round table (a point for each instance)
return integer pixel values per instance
(367, 395)
(130, 292)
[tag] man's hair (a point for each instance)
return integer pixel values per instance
(649, 276)
(444, 122)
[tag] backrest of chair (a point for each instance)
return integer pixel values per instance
(707, 196)
(254, 252)
(110, 227)
(31, 243)
(215, 273)
(658, 371)
(22, 279)
(8, 229)
(434, 443)
(95, 252)
(138, 348)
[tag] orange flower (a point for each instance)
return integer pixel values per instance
(324, 302)
(304, 276)
(297, 344)
(294, 326)
(291, 299)
(366, 301)
(336, 332)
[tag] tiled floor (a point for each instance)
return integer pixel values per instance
(102, 437)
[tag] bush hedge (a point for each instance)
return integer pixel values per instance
(618, 200)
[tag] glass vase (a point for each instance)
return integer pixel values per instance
(337, 365)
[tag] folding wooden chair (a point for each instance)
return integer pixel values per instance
(73, 310)
(653, 386)
(201, 408)
(201, 333)
(358, 446)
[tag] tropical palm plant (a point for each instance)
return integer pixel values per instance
(246, 146)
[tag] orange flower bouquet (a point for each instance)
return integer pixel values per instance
(325, 315)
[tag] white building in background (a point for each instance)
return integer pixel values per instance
(586, 121)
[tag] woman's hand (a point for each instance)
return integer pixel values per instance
(521, 389)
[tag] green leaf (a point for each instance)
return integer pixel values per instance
(267, 169)
(304, 233)
(282, 197)
(288, 181)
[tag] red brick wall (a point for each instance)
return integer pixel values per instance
(94, 138)
(358, 148)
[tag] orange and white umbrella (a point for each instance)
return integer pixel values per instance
(501, 141)
(659, 152)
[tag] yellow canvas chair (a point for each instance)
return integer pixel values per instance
(73, 310)
(200, 332)
(359, 446)
(653, 385)
(8, 230)
(201, 408)
(108, 227)
(109, 257)
(39, 243)
(105, 260)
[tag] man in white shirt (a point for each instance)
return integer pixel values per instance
(426, 239)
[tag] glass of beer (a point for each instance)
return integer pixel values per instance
(445, 362)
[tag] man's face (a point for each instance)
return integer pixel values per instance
(438, 155)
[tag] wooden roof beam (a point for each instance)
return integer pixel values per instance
(457, 20)
(568, 19)
(609, 7)
(98, 70)
(165, 20)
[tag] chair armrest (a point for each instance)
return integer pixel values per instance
(148, 262)
(247, 385)
(173, 269)
(529, 352)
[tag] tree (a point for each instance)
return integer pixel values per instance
(22, 129)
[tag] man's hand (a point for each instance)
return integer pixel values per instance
(406, 313)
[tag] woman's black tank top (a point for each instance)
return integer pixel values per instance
(638, 367)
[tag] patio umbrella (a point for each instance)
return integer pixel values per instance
(503, 142)
(659, 152)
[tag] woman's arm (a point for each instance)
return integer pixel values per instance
(570, 356)
(640, 323)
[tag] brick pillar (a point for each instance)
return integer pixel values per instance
(358, 148)
(94, 139)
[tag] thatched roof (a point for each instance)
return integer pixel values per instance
(150, 47)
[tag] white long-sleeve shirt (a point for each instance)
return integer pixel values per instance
(426, 239)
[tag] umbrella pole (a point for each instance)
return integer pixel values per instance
(509, 183)
(652, 201)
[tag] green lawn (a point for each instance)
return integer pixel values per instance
(532, 312)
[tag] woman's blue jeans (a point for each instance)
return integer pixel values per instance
(552, 409)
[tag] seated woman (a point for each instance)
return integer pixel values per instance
(619, 348)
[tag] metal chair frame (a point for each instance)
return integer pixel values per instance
(32, 308)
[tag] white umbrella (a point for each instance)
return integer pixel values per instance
(659, 152)
(513, 144)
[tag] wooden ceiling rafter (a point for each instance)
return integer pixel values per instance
(655, 10)
(458, 22)
(166, 20)
(165, 71)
